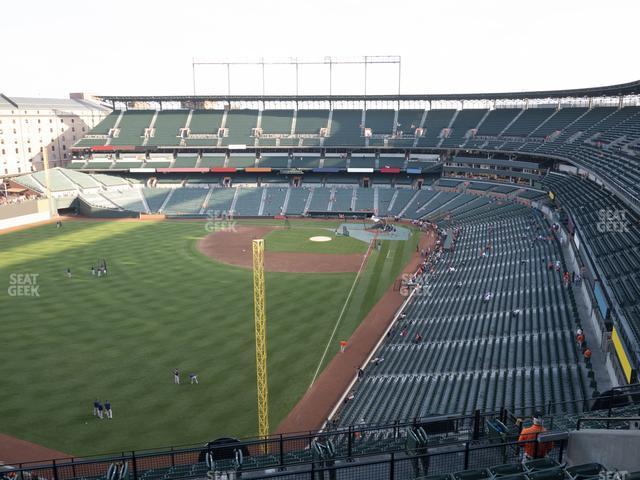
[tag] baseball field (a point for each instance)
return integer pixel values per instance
(170, 300)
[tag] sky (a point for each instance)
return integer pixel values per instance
(141, 47)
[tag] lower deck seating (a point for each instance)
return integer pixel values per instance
(186, 201)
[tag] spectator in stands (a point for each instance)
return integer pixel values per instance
(360, 372)
(534, 449)
(417, 338)
(176, 376)
(587, 354)
(488, 296)
(107, 408)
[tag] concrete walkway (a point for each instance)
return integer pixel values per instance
(591, 332)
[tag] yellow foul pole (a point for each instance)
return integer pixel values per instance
(261, 337)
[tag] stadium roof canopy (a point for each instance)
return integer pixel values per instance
(631, 88)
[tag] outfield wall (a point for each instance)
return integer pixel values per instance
(23, 213)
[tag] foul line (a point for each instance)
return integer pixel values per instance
(344, 307)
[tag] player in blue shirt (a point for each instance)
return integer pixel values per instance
(95, 407)
(107, 407)
(100, 409)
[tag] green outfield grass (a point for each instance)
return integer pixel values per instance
(163, 305)
(297, 240)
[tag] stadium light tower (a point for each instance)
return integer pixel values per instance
(260, 316)
(331, 63)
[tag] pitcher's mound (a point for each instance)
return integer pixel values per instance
(234, 248)
(320, 238)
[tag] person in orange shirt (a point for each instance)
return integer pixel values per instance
(534, 449)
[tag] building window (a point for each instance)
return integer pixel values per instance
(64, 147)
(29, 149)
(17, 151)
(73, 129)
(73, 120)
(53, 148)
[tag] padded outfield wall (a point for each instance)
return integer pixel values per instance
(23, 213)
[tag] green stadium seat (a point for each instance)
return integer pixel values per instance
(540, 464)
(507, 469)
(476, 474)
